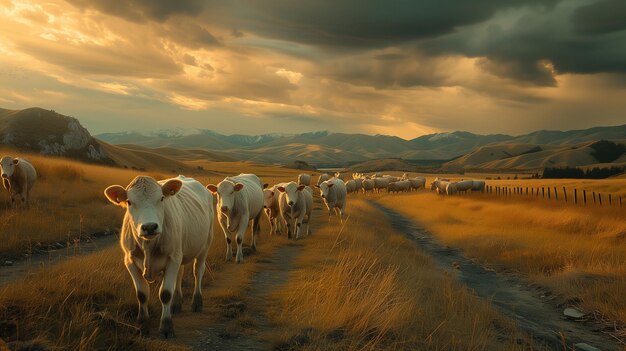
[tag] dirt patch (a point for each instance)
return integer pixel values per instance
(536, 312)
(242, 324)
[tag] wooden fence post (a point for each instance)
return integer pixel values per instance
(543, 192)
(600, 198)
(575, 196)
(593, 193)
(610, 200)
(620, 202)
(585, 197)
(526, 191)
(548, 192)
(565, 194)
(556, 195)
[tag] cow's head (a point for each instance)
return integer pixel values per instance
(292, 192)
(7, 166)
(268, 198)
(324, 188)
(225, 192)
(144, 201)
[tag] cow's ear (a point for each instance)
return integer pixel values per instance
(265, 186)
(16, 161)
(171, 187)
(238, 186)
(330, 185)
(301, 187)
(116, 194)
(281, 189)
(212, 188)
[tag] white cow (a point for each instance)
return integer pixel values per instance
(417, 183)
(381, 183)
(334, 193)
(322, 178)
(304, 179)
(368, 185)
(358, 184)
(296, 204)
(239, 201)
(18, 177)
(399, 186)
(463, 185)
(478, 185)
(439, 185)
(351, 186)
(167, 224)
(270, 205)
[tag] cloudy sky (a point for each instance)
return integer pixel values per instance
(401, 67)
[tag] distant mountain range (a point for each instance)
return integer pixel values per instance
(47, 132)
(340, 149)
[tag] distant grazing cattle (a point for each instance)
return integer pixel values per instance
(333, 192)
(417, 183)
(167, 224)
(439, 185)
(239, 201)
(296, 204)
(304, 179)
(381, 183)
(18, 178)
(351, 186)
(368, 185)
(399, 186)
(322, 178)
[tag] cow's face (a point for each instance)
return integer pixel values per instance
(7, 166)
(268, 198)
(144, 201)
(226, 191)
(292, 192)
(324, 188)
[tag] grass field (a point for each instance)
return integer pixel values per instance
(576, 252)
(365, 287)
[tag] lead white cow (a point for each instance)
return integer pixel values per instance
(296, 204)
(334, 193)
(18, 178)
(167, 224)
(239, 201)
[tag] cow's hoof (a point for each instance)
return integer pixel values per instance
(196, 303)
(166, 330)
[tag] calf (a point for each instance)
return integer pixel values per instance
(239, 201)
(296, 204)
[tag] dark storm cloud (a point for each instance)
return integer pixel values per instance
(522, 45)
(141, 10)
(359, 23)
(602, 17)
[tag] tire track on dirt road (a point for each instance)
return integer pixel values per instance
(510, 294)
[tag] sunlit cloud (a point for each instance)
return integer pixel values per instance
(297, 68)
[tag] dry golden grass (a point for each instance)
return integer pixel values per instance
(574, 251)
(68, 201)
(367, 287)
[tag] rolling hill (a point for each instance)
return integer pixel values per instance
(46, 132)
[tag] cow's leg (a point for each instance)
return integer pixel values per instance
(299, 221)
(229, 249)
(166, 329)
(177, 302)
(142, 291)
(256, 228)
(241, 233)
(199, 266)
(287, 223)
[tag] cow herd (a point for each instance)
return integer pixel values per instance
(169, 223)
